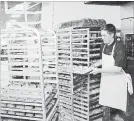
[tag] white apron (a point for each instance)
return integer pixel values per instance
(113, 87)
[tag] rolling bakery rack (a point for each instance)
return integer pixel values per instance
(49, 59)
(78, 49)
(24, 99)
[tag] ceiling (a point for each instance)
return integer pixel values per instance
(111, 3)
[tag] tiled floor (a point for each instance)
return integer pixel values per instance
(131, 112)
(131, 108)
(131, 98)
(130, 70)
(131, 105)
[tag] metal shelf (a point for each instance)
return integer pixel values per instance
(25, 96)
(20, 117)
(82, 97)
(22, 110)
(79, 106)
(25, 73)
(51, 81)
(24, 89)
(81, 111)
(64, 57)
(80, 62)
(80, 118)
(25, 80)
(32, 52)
(79, 114)
(64, 78)
(50, 114)
(80, 57)
(22, 103)
(86, 38)
(64, 90)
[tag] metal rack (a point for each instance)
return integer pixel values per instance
(129, 38)
(49, 56)
(65, 74)
(77, 50)
(49, 59)
(26, 10)
(24, 98)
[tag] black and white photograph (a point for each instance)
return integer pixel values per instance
(66, 60)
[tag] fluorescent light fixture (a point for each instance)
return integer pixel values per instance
(15, 16)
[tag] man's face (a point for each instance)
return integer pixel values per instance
(106, 36)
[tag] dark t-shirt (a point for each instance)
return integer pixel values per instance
(119, 53)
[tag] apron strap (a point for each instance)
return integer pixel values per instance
(103, 48)
(113, 49)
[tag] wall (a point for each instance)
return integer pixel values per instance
(47, 15)
(127, 19)
(65, 11)
(3, 16)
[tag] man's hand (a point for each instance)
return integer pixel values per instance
(96, 71)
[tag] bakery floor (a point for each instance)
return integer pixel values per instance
(131, 109)
(130, 116)
(131, 98)
(130, 70)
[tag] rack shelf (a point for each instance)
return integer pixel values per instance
(21, 103)
(21, 110)
(20, 117)
(29, 74)
(52, 111)
(80, 60)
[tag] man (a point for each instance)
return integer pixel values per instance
(113, 88)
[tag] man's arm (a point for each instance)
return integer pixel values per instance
(97, 64)
(120, 57)
(113, 69)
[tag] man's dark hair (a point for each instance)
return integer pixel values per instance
(110, 28)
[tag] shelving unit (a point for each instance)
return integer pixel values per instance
(65, 75)
(130, 46)
(77, 50)
(30, 13)
(129, 42)
(23, 98)
(31, 91)
(4, 62)
(49, 60)
(49, 56)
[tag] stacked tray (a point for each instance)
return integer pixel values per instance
(25, 89)
(77, 50)
(86, 22)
